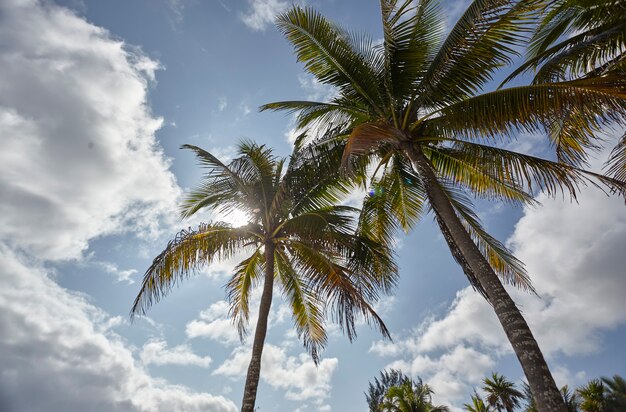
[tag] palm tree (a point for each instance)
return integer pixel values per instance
(410, 397)
(296, 236)
(477, 405)
(570, 398)
(615, 393)
(501, 393)
(579, 39)
(376, 391)
(412, 104)
(592, 396)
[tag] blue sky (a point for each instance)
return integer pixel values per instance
(96, 98)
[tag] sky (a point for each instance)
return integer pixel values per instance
(96, 97)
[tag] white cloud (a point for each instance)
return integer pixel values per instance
(79, 157)
(215, 324)
(47, 331)
(261, 13)
(574, 253)
(298, 376)
(156, 352)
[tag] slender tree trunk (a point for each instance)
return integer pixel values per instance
(542, 384)
(254, 369)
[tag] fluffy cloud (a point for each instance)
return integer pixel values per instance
(298, 376)
(79, 157)
(574, 253)
(46, 331)
(156, 352)
(262, 13)
(214, 323)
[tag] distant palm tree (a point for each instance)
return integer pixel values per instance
(376, 391)
(477, 405)
(295, 235)
(570, 398)
(414, 106)
(592, 396)
(410, 397)
(615, 393)
(501, 393)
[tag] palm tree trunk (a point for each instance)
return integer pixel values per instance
(542, 384)
(254, 369)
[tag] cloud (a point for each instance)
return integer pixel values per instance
(215, 324)
(47, 331)
(79, 157)
(297, 375)
(155, 352)
(574, 253)
(261, 13)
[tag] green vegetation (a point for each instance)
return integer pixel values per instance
(398, 392)
(296, 236)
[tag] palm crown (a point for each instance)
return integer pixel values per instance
(296, 235)
(417, 91)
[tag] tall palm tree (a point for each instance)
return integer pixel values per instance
(296, 237)
(501, 393)
(615, 393)
(412, 104)
(477, 405)
(592, 396)
(410, 397)
(579, 39)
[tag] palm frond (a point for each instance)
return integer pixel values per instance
(616, 165)
(483, 40)
(185, 254)
(532, 172)
(510, 269)
(329, 55)
(307, 307)
(334, 284)
(597, 102)
(245, 277)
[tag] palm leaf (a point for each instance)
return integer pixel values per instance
(185, 254)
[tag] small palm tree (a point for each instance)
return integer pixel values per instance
(410, 397)
(295, 236)
(501, 393)
(570, 398)
(413, 106)
(592, 396)
(615, 393)
(376, 391)
(477, 405)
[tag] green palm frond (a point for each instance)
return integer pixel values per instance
(221, 188)
(597, 101)
(245, 276)
(482, 40)
(532, 172)
(510, 269)
(461, 169)
(337, 111)
(185, 254)
(412, 32)
(329, 55)
(307, 306)
(334, 283)
(616, 165)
